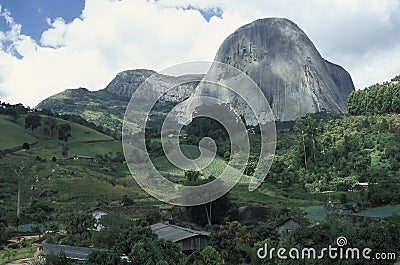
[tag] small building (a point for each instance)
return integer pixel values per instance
(134, 211)
(361, 186)
(292, 223)
(71, 252)
(187, 239)
(86, 158)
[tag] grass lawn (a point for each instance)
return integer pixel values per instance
(16, 254)
(83, 139)
(270, 197)
(12, 135)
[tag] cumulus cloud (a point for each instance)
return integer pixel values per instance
(11, 36)
(112, 36)
(109, 37)
(54, 37)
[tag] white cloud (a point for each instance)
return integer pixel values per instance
(112, 36)
(12, 35)
(375, 66)
(6, 62)
(54, 37)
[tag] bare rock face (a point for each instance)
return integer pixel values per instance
(126, 83)
(287, 67)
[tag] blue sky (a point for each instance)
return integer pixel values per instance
(59, 44)
(34, 14)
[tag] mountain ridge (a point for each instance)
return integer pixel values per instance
(274, 52)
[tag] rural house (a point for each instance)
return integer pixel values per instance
(87, 158)
(291, 224)
(71, 252)
(187, 239)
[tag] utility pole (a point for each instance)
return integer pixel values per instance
(19, 173)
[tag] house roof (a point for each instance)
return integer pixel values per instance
(81, 156)
(126, 210)
(298, 219)
(70, 252)
(175, 233)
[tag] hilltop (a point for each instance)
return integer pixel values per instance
(107, 107)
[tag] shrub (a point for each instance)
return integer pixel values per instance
(26, 146)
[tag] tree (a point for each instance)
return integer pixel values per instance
(112, 226)
(33, 121)
(26, 146)
(306, 129)
(50, 125)
(20, 172)
(209, 213)
(376, 99)
(100, 257)
(380, 237)
(227, 239)
(65, 150)
(126, 201)
(78, 225)
(64, 132)
(131, 238)
(59, 259)
(40, 211)
(209, 256)
(12, 113)
(4, 234)
(47, 112)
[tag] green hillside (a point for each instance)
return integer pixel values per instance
(90, 105)
(12, 135)
(49, 173)
(162, 163)
(15, 135)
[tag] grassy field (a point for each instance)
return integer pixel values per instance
(381, 212)
(72, 184)
(12, 135)
(84, 141)
(63, 182)
(272, 197)
(215, 168)
(7, 256)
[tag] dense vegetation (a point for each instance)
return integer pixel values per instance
(376, 99)
(323, 153)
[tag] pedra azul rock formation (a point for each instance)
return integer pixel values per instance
(287, 67)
